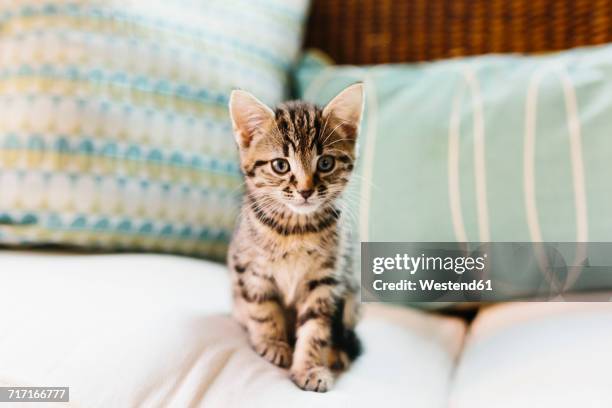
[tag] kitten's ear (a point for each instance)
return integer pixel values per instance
(249, 116)
(347, 106)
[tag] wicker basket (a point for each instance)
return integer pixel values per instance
(379, 31)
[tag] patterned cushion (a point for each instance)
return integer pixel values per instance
(114, 131)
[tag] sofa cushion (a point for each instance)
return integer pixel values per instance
(545, 355)
(153, 330)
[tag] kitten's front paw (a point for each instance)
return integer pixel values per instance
(277, 352)
(318, 379)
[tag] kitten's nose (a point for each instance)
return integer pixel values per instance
(306, 193)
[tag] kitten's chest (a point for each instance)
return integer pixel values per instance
(290, 273)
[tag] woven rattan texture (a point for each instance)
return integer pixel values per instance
(380, 31)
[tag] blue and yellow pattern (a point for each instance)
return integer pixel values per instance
(114, 131)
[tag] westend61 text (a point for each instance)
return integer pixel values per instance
(432, 285)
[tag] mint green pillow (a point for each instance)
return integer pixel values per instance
(114, 130)
(491, 148)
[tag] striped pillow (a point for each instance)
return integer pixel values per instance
(492, 148)
(499, 148)
(114, 131)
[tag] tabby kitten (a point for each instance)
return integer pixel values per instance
(293, 287)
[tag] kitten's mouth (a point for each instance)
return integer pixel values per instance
(304, 207)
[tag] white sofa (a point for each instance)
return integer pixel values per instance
(155, 331)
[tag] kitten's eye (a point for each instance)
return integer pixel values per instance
(326, 163)
(281, 166)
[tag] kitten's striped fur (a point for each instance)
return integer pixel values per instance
(293, 287)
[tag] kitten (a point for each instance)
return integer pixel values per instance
(293, 287)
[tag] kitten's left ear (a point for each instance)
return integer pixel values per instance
(347, 106)
(249, 116)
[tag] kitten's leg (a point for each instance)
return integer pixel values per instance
(337, 359)
(257, 307)
(310, 369)
(346, 344)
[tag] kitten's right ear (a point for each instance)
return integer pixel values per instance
(347, 106)
(249, 116)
